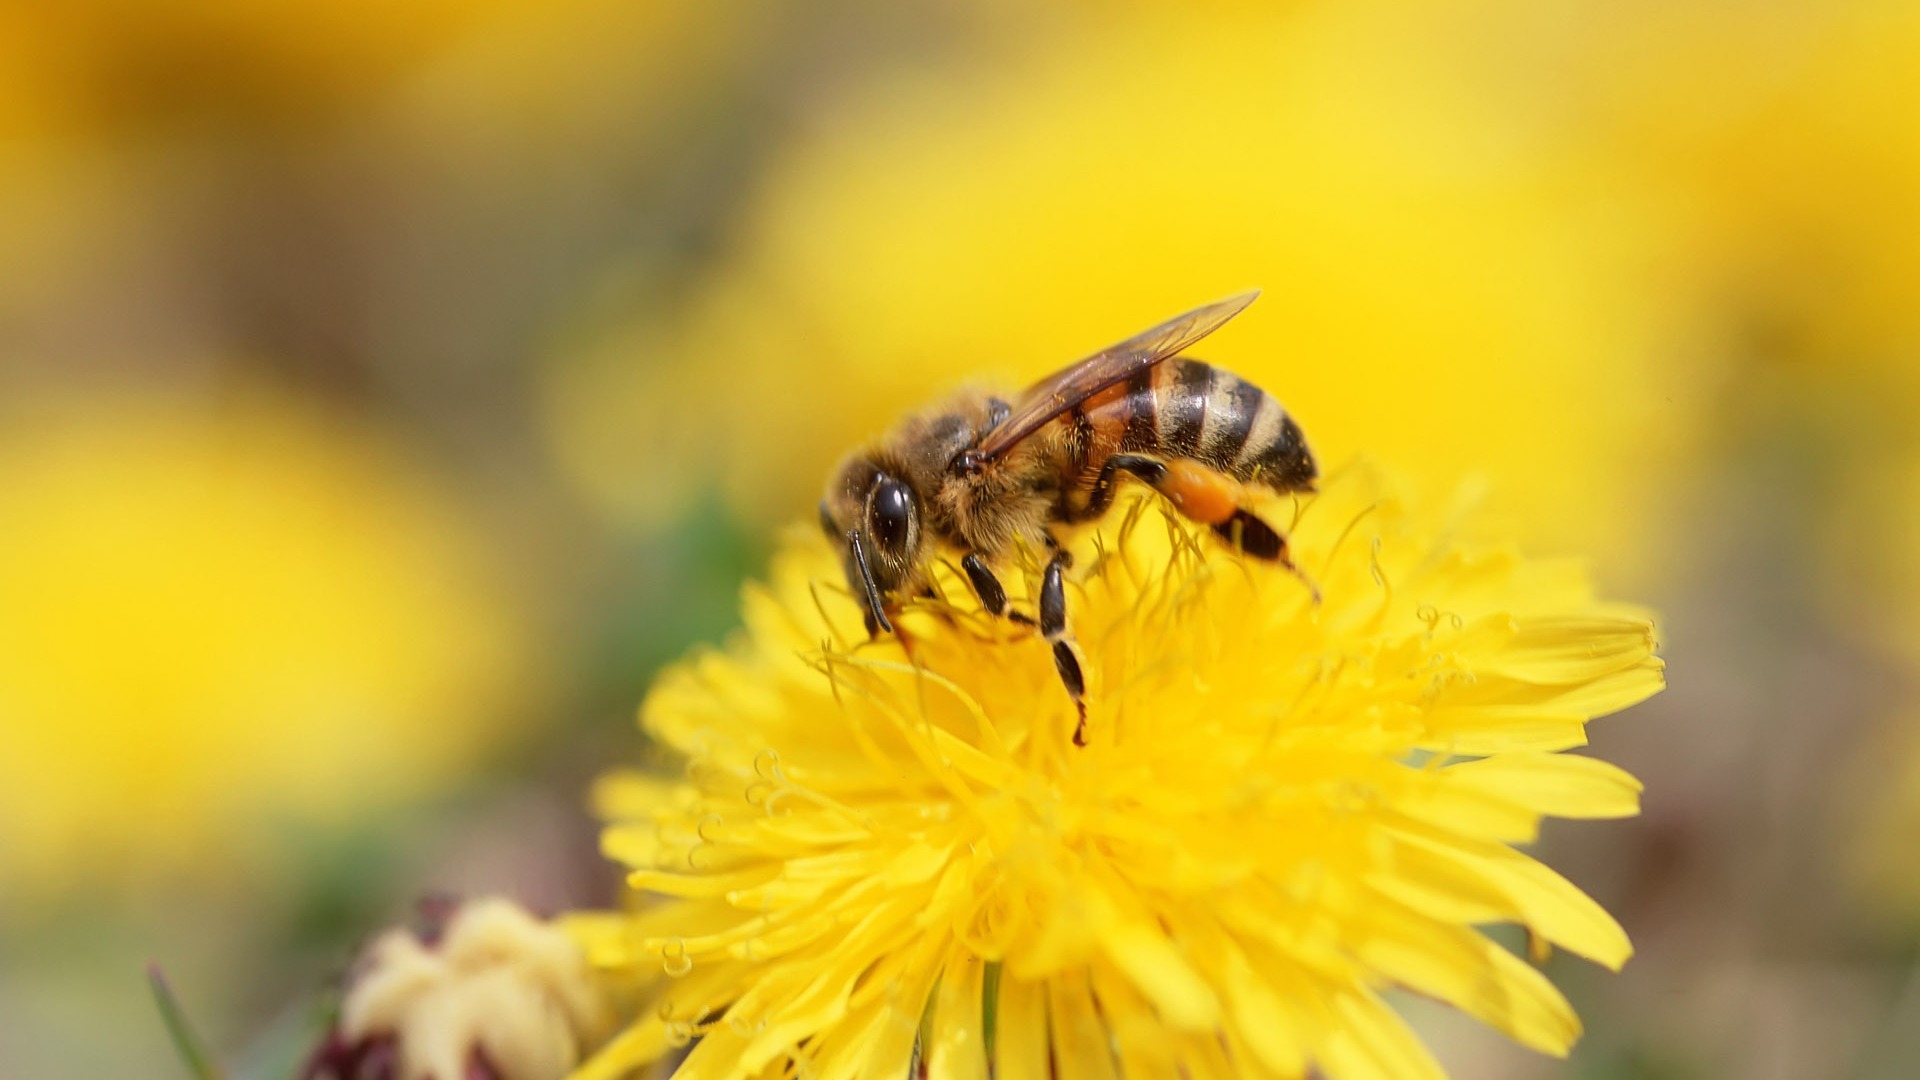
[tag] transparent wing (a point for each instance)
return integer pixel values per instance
(1076, 383)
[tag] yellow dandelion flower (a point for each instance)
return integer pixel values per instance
(1286, 807)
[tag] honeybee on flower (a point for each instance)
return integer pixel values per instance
(982, 477)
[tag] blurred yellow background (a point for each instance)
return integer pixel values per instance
(386, 390)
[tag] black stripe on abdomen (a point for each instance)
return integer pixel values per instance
(1284, 464)
(1183, 407)
(1230, 413)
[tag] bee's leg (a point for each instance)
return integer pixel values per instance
(993, 595)
(1255, 537)
(1212, 498)
(1053, 625)
(1146, 468)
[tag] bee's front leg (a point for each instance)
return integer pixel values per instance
(1053, 621)
(993, 595)
(1053, 625)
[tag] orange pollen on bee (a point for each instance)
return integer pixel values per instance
(1200, 493)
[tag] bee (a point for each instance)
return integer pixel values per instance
(979, 477)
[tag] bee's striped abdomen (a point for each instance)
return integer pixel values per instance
(1188, 409)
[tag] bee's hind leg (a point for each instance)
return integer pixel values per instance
(1053, 626)
(1212, 498)
(1255, 537)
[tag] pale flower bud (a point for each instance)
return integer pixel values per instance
(497, 994)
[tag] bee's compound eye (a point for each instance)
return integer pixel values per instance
(890, 514)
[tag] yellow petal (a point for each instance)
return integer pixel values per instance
(627, 794)
(1141, 1041)
(634, 845)
(715, 1057)
(1576, 649)
(1265, 1021)
(1431, 798)
(957, 1048)
(878, 1035)
(695, 885)
(1020, 1030)
(1505, 729)
(1537, 896)
(1081, 1050)
(1459, 966)
(1563, 785)
(1611, 693)
(1157, 967)
(1368, 1042)
(643, 1041)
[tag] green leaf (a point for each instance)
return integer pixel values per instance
(187, 1042)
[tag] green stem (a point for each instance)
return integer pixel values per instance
(187, 1042)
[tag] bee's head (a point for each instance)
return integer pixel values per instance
(874, 516)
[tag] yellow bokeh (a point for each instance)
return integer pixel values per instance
(219, 620)
(1435, 286)
(143, 144)
(114, 62)
(1783, 137)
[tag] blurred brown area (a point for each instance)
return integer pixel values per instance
(387, 390)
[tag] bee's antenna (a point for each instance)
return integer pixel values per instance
(876, 617)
